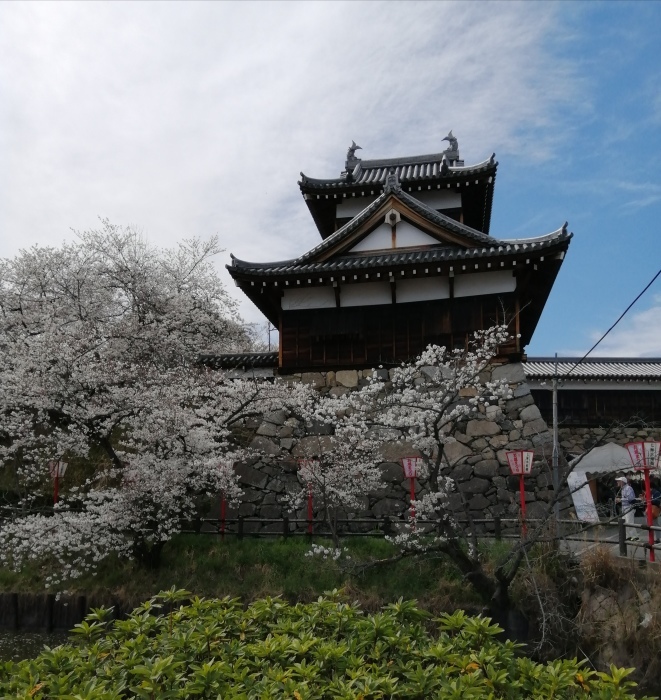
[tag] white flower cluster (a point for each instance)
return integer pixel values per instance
(334, 553)
(99, 341)
(419, 404)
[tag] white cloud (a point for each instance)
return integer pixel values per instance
(195, 118)
(637, 335)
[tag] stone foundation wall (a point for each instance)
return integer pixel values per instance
(575, 440)
(477, 460)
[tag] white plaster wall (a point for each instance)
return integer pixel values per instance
(351, 206)
(366, 294)
(312, 298)
(379, 239)
(408, 235)
(437, 199)
(423, 289)
(478, 283)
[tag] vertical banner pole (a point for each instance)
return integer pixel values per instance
(412, 497)
(223, 506)
(309, 508)
(411, 466)
(522, 493)
(648, 511)
(645, 456)
(56, 487)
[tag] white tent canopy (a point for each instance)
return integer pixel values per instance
(604, 459)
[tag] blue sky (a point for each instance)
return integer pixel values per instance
(195, 119)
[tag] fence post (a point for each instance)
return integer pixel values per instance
(15, 610)
(387, 526)
(82, 607)
(285, 526)
(622, 532)
(50, 604)
(497, 529)
(239, 532)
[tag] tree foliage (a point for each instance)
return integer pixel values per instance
(419, 404)
(329, 649)
(99, 340)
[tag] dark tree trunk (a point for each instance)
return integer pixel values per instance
(148, 554)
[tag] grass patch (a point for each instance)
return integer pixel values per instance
(254, 568)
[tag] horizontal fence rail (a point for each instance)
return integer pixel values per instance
(491, 528)
(498, 528)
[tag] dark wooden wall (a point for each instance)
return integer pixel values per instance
(384, 335)
(600, 407)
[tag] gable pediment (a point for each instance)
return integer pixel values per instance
(386, 237)
(395, 225)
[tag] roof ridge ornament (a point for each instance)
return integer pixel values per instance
(392, 183)
(452, 151)
(352, 160)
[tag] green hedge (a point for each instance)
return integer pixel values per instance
(331, 649)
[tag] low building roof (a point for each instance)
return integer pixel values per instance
(240, 360)
(609, 368)
(534, 367)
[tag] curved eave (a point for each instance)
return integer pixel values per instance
(411, 170)
(443, 254)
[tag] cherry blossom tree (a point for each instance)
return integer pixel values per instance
(340, 469)
(99, 340)
(419, 404)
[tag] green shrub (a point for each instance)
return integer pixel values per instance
(327, 649)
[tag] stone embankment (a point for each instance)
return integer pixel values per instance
(576, 440)
(476, 459)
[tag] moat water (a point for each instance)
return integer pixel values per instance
(15, 646)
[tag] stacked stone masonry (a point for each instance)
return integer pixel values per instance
(477, 459)
(576, 440)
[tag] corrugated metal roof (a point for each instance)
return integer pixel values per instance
(593, 368)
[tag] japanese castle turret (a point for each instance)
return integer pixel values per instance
(406, 259)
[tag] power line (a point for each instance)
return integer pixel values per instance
(622, 315)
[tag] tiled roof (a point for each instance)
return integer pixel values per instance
(430, 214)
(593, 368)
(411, 169)
(380, 260)
(240, 360)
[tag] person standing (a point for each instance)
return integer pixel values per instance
(627, 499)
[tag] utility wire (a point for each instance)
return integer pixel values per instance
(624, 313)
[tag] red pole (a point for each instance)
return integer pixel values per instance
(309, 509)
(412, 497)
(648, 499)
(522, 494)
(223, 506)
(56, 486)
